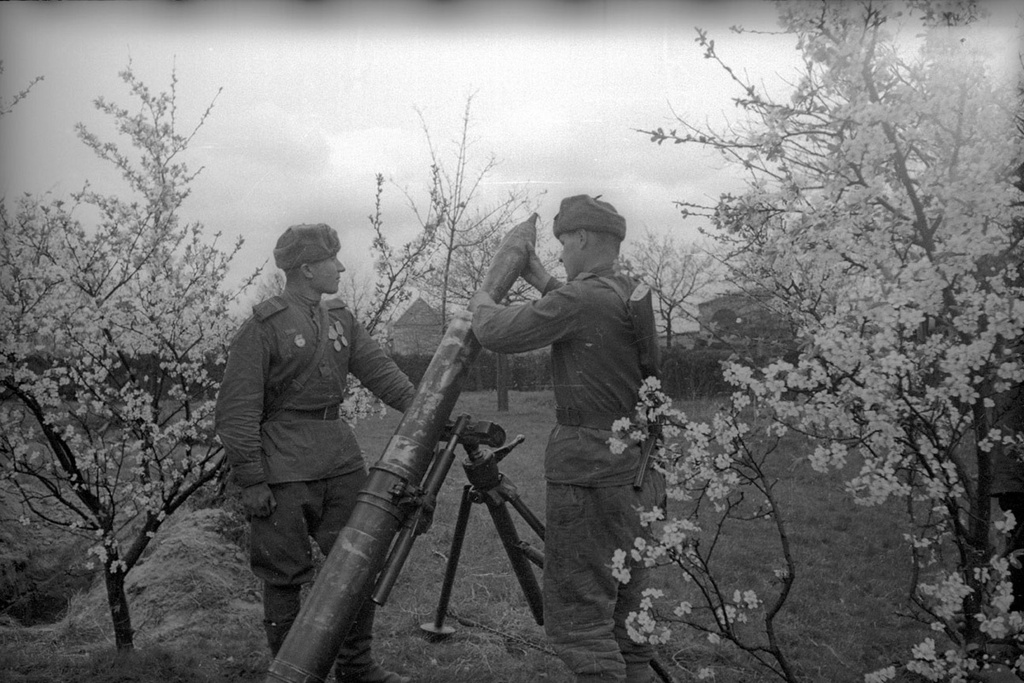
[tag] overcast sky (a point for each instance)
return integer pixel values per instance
(318, 98)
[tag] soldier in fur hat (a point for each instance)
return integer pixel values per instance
(294, 457)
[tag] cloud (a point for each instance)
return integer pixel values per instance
(319, 98)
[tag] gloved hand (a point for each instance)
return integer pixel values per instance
(258, 500)
(481, 297)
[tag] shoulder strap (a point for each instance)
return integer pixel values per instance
(271, 306)
(639, 303)
(620, 286)
(645, 330)
(296, 385)
(335, 304)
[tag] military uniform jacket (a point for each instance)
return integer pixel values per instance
(269, 352)
(595, 368)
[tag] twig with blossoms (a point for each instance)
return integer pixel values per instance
(717, 474)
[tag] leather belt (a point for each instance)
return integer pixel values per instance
(572, 417)
(325, 413)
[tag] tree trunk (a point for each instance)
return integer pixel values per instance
(502, 382)
(978, 541)
(114, 576)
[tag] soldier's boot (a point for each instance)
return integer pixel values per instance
(355, 659)
(280, 607)
(276, 633)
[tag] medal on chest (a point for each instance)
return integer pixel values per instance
(337, 334)
(300, 341)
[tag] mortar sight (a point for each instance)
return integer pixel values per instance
(481, 433)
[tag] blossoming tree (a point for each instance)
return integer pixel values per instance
(884, 212)
(114, 325)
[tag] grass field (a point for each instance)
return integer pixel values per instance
(840, 622)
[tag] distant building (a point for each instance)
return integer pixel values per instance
(416, 331)
(745, 315)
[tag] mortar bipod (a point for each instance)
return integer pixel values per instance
(419, 501)
(489, 486)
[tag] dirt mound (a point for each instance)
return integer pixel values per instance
(195, 584)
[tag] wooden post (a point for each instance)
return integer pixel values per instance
(502, 382)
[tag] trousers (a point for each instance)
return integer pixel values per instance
(585, 606)
(281, 554)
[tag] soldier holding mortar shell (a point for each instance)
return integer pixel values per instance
(600, 355)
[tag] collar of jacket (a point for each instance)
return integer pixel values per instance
(303, 302)
(597, 272)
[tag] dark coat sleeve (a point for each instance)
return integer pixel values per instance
(374, 368)
(239, 408)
